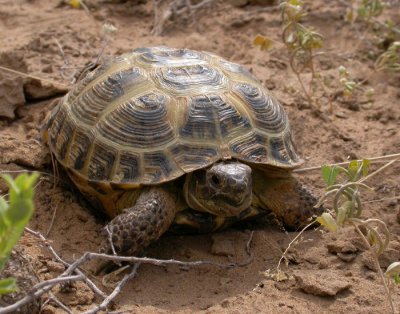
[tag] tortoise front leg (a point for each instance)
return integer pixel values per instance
(288, 199)
(138, 226)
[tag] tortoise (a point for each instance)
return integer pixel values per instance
(160, 138)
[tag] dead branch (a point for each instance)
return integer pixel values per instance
(41, 79)
(38, 290)
(116, 291)
(52, 221)
(68, 275)
(109, 238)
(248, 251)
(53, 298)
(90, 283)
(67, 77)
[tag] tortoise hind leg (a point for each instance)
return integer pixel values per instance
(138, 226)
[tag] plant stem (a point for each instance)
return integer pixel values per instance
(303, 88)
(378, 266)
(347, 162)
(278, 267)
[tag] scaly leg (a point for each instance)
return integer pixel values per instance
(136, 227)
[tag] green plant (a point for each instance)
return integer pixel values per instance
(14, 216)
(392, 274)
(348, 86)
(301, 42)
(369, 12)
(348, 208)
(366, 10)
(390, 59)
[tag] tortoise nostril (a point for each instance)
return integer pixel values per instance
(215, 180)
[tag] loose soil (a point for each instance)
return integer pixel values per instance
(328, 272)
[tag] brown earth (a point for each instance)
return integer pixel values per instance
(329, 272)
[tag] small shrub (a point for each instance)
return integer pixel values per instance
(348, 208)
(14, 216)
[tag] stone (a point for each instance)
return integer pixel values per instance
(222, 245)
(321, 282)
(11, 85)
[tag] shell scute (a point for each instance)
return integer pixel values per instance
(64, 137)
(93, 101)
(200, 119)
(164, 57)
(250, 147)
(139, 123)
(231, 121)
(80, 148)
(128, 169)
(266, 112)
(190, 157)
(102, 162)
(158, 167)
(235, 70)
(282, 149)
(186, 79)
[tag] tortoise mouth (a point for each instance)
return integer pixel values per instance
(223, 205)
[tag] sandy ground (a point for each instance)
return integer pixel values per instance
(329, 272)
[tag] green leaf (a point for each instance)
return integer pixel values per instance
(295, 2)
(327, 221)
(393, 271)
(343, 212)
(365, 166)
(361, 12)
(329, 174)
(349, 17)
(263, 42)
(343, 72)
(20, 211)
(15, 215)
(76, 4)
(353, 167)
(3, 205)
(10, 182)
(372, 238)
(8, 285)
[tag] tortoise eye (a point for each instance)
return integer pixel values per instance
(215, 180)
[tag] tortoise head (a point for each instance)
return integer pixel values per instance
(224, 189)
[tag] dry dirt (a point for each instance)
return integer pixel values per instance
(330, 272)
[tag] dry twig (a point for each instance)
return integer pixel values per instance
(115, 292)
(73, 273)
(53, 298)
(177, 8)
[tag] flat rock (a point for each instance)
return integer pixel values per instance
(29, 153)
(222, 245)
(341, 246)
(11, 95)
(321, 283)
(11, 85)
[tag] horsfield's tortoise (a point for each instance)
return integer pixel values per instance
(163, 137)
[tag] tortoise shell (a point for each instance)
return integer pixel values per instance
(154, 114)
